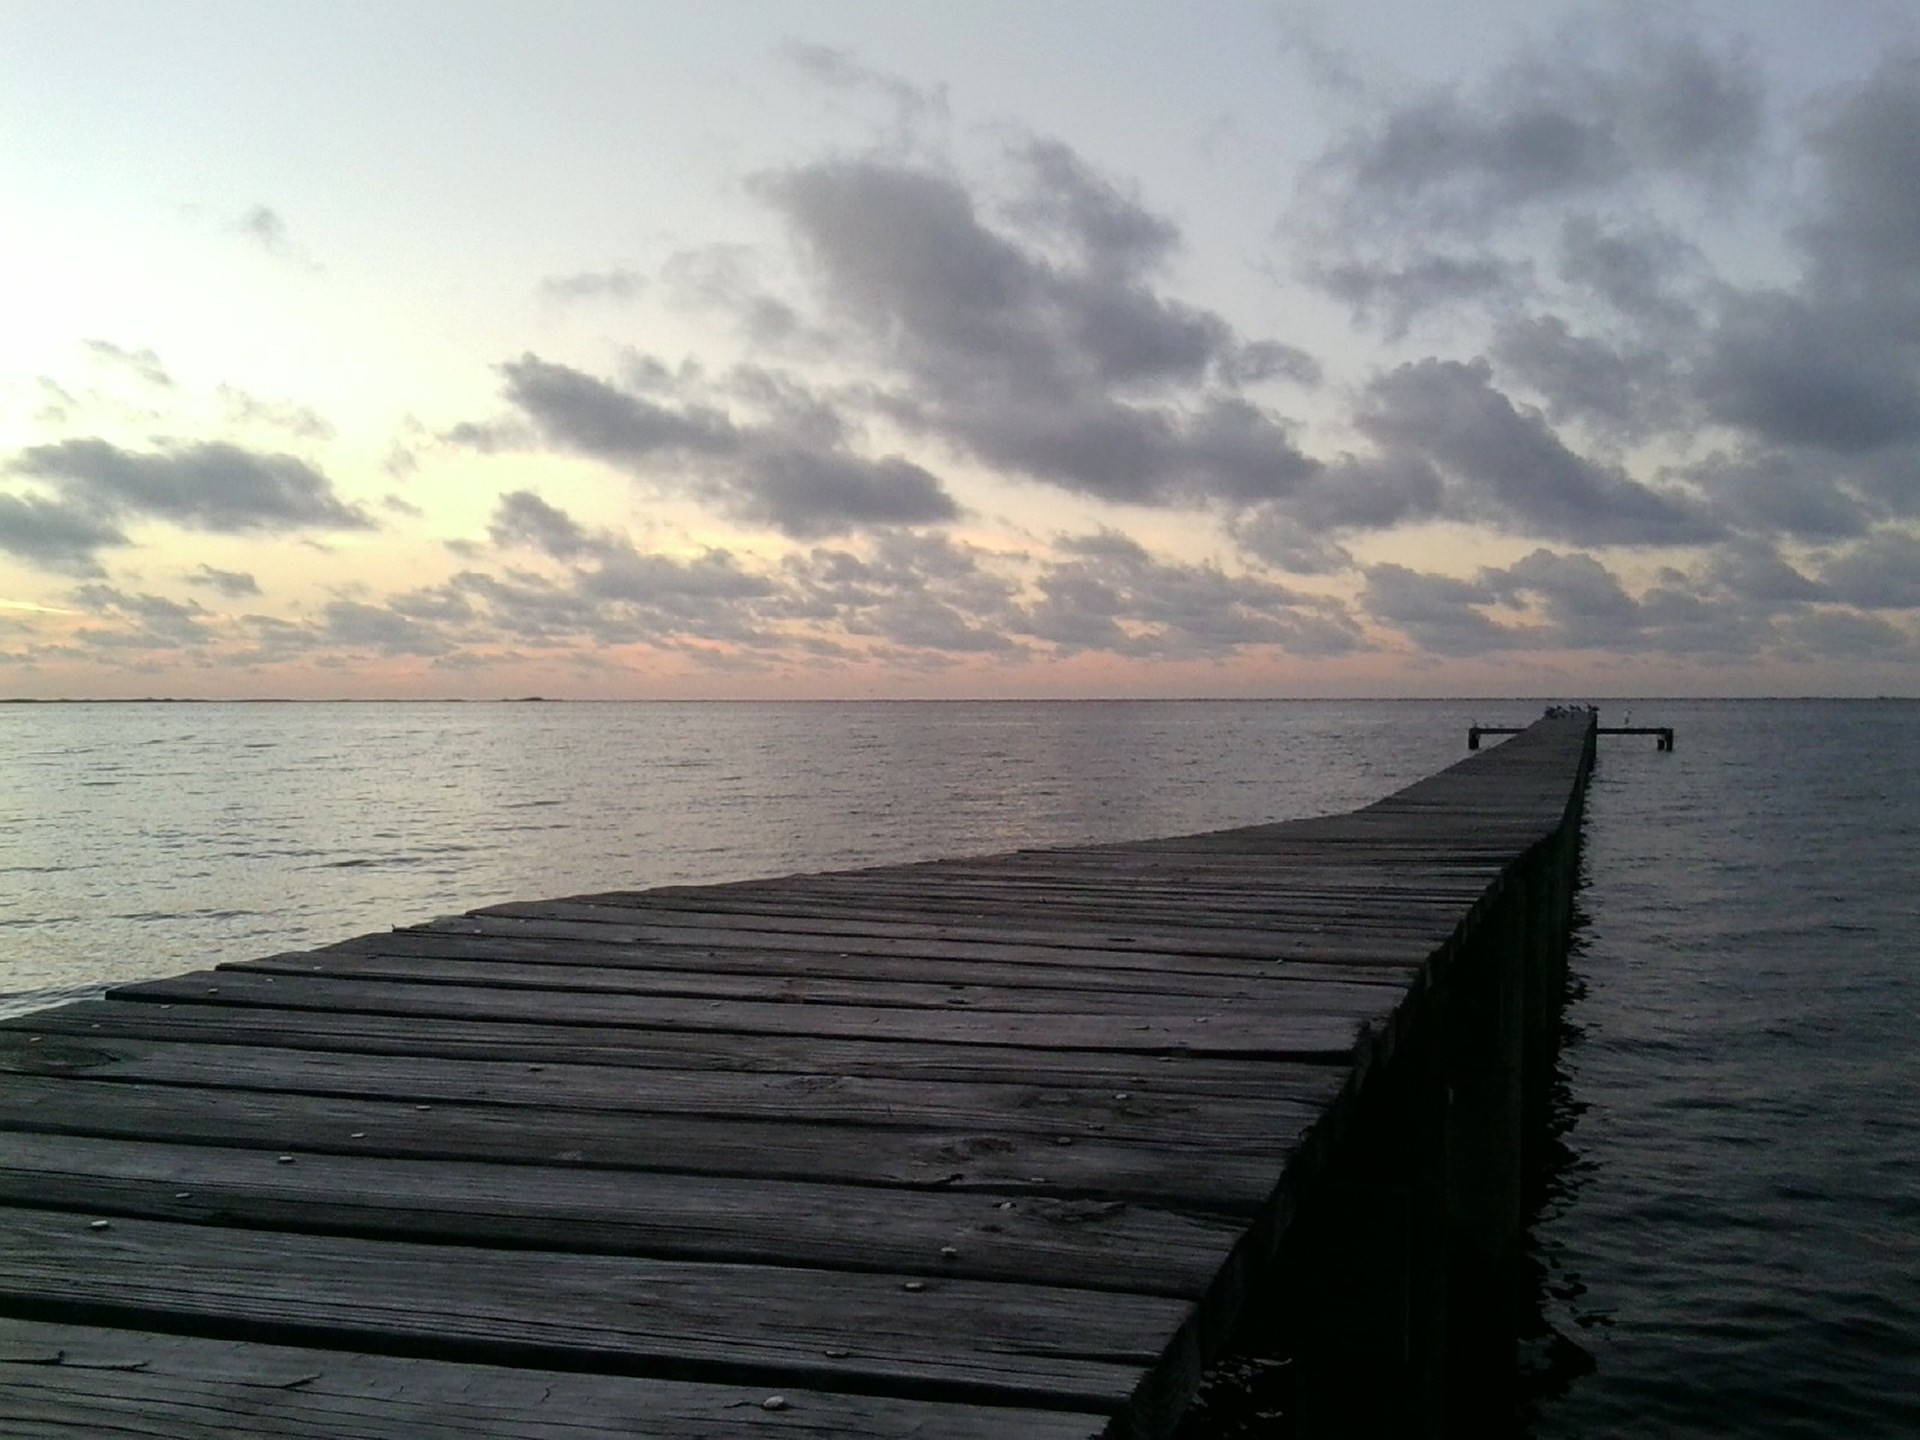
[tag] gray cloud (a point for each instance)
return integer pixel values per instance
(611, 592)
(1522, 208)
(1443, 202)
(1868, 228)
(1440, 614)
(1105, 228)
(1824, 373)
(1109, 593)
(56, 534)
(1740, 603)
(833, 69)
(1764, 491)
(790, 470)
(591, 417)
(263, 225)
(298, 420)
(1599, 110)
(1052, 359)
(1640, 269)
(232, 583)
(921, 592)
(201, 486)
(1373, 492)
(1509, 468)
(266, 229)
(1755, 573)
(808, 493)
(1582, 378)
(1881, 572)
(1587, 606)
(1828, 634)
(146, 621)
(618, 283)
(671, 586)
(143, 363)
(380, 628)
(1262, 360)
(1392, 292)
(522, 518)
(1281, 540)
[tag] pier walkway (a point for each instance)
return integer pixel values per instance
(996, 1146)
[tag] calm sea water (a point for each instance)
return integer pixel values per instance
(1732, 1244)
(1735, 1244)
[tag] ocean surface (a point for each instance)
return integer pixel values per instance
(1730, 1243)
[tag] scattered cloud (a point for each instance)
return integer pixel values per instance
(382, 629)
(1881, 572)
(522, 518)
(1108, 592)
(619, 283)
(1609, 108)
(1506, 466)
(141, 621)
(1441, 614)
(912, 108)
(201, 485)
(1043, 352)
(231, 583)
(263, 227)
(785, 468)
(143, 364)
(300, 421)
(56, 535)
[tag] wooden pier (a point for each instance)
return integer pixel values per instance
(1000, 1146)
(1662, 734)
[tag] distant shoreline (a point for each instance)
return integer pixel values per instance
(953, 700)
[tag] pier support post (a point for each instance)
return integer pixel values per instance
(1485, 1069)
(1542, 979)
(1370, 1344)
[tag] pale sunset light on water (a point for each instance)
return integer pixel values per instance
(865, 350)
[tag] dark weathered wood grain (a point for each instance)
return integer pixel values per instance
(945, 1338)
(1187, 1170)
(85, 1026)
(1304, 1032)
(74, 1382)
(1091, 1244)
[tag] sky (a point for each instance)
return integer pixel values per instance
(743, 349)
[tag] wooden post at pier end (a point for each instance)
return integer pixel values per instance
(1663, 734)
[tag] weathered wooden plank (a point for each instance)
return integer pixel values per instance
(1244, 881)
(444, 1038)
(1275, 991)
(1051, 969)
(1190, 1172)
(611, 925)
(1245, 940)
(72, 1382)
(1311, 947)
(923, 1338)
(1099, 1245)
(1206, 900)
(1060, 1113)
(1330, 1035)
